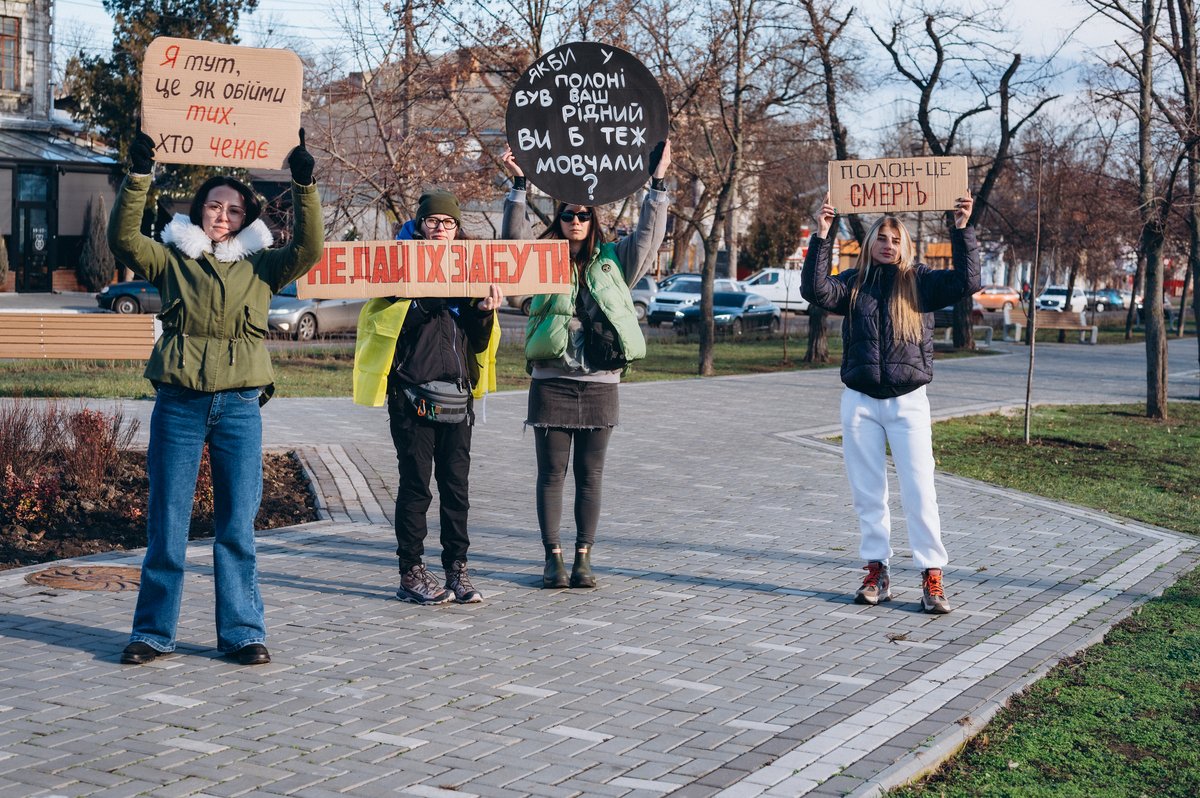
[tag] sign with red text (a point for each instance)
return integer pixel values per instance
(413, 269)
(892, 185)
(219, 104)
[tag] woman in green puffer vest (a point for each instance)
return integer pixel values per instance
(211, 373)
(573, 395)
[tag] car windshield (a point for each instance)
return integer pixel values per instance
(288, 290)
(1055, 292)
(730, 299)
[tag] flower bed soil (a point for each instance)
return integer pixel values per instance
(112, 517)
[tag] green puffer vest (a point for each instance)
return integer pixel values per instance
(550, 314)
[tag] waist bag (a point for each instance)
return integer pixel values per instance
(439, 401)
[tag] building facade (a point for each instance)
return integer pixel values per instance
(48, 178)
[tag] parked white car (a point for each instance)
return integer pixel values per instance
(1054, 297)
(781, 286)
(677, 292)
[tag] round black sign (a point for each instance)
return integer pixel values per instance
(584, 122)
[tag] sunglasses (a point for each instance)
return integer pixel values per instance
(570, 216)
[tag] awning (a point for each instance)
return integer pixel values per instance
(26, 146)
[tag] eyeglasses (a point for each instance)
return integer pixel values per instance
(231, 211)
(435, 224)
(570, 216)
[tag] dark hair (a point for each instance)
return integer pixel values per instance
(595, 235)
(253, 206)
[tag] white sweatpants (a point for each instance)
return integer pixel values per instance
(868, 425)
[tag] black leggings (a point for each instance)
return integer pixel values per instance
(553, 446)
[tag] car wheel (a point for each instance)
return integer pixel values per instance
(773, 327)
(527, 305)
(1099, 307)
(306, 327)
(1008, 305)
(640, 310)
(126, 304)
(736, 327)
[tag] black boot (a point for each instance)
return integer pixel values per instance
(555, 575)
(581, 571)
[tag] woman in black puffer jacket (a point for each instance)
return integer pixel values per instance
(887, 305)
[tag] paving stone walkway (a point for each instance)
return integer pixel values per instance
(722, 654)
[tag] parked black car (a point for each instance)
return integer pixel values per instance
(734, 312)
(135, 296)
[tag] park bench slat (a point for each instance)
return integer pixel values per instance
(71, 336)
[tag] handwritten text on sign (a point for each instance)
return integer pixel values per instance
(221, 105)
(362, 269)
(583, 121)
(891, 185)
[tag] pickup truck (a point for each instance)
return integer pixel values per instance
(781, 286)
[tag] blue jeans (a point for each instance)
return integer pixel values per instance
(183, 420)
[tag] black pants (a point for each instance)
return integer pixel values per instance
(423, 447)
(553, 446)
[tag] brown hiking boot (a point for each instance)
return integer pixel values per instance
(933, 597)
(876, 586)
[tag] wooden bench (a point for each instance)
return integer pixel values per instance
(1014, 324)
(76, 336)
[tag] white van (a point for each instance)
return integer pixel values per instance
(781, 286)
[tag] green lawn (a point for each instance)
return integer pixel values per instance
(1122, 718)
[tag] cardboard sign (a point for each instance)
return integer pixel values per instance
(583, 121)
(221, 105)
(891, 185)
(363, 269)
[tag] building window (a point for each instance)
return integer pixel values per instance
(10, 53)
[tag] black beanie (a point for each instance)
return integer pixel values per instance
(438, 202)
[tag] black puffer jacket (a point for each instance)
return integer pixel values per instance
(439, 341)
(872, 363)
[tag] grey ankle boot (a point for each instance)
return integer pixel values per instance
(555, 575)
(581, 571)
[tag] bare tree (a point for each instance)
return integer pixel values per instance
(837, 73)
(726, 77)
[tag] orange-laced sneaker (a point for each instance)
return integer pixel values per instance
(933, 597)
(876, 586)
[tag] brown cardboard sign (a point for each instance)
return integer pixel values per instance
(363, 269)
(220, 104)
(892, 185)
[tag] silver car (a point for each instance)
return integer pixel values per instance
(305, 319)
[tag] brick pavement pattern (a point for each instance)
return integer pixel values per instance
(722, 654)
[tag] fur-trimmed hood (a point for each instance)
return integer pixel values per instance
(191, 240)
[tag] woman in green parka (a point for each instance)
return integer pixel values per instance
(211, 373)
(573, 395)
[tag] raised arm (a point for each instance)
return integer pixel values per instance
(515, 223)
(637, 251)
(144, 255)
(817, 285)
(308, 227)
(941, 287)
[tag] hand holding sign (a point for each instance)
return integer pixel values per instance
(825, 218)
(301, 163)
(962, 211)
(141, 155)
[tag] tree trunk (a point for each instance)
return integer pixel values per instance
(1153, 226)
(818, 341)
(1139, 272)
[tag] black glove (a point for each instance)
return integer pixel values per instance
(141, 155)
(301, 163)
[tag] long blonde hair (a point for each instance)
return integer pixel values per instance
(903, 309)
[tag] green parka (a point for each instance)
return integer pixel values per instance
(214, 305)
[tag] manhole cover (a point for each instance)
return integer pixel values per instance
(88, 577)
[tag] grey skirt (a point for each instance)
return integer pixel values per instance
(572, 404)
